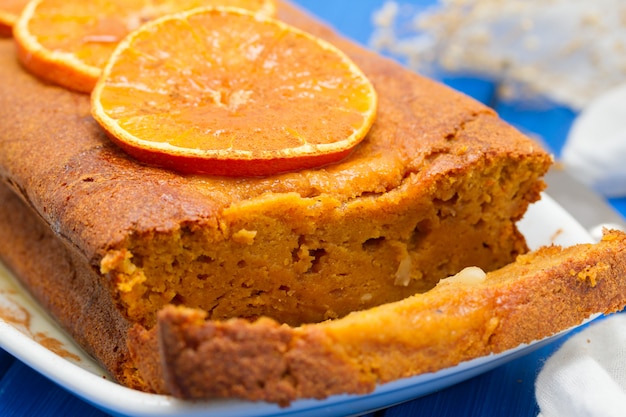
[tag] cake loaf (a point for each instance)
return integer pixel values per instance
(437, 185)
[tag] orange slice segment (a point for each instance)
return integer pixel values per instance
(224, 92)
(9, 12)
(68, 42)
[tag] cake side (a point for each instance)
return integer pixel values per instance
(466, 316)
(66, 287)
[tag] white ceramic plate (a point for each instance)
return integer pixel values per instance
(26, 329)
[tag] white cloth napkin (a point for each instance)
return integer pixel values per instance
(595, 149)
(586, 377)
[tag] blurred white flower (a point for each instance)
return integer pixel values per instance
(568, 50)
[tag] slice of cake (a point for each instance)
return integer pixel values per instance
(468, 315)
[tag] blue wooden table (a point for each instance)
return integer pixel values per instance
(505, 391)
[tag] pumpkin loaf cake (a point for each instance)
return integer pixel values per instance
(133, 260)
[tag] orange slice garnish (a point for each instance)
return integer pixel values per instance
(9, 12)
(225, 92)
(68, 42)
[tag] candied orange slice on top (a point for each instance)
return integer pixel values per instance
(9, 12)
(68, 42)
(225, 92)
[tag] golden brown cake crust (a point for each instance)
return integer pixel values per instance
(66, 286)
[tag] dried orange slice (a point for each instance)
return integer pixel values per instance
(224, 92)
(68, 42)
(9, 12)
